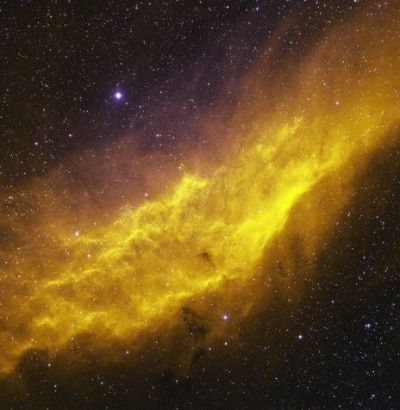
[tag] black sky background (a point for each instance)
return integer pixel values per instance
(63, 61)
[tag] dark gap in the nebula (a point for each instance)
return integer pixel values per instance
(194, 323)
(207, 258)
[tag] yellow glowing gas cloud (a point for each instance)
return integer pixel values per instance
(135, 273)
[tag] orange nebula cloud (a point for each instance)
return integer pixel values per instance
(295, 136)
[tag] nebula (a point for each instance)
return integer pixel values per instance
(202, 249)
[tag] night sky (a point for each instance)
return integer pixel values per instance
(199, 204)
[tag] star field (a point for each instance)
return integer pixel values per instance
(199, 204)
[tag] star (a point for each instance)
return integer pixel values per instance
(118, 95)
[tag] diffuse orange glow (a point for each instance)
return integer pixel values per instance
(135, 273)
